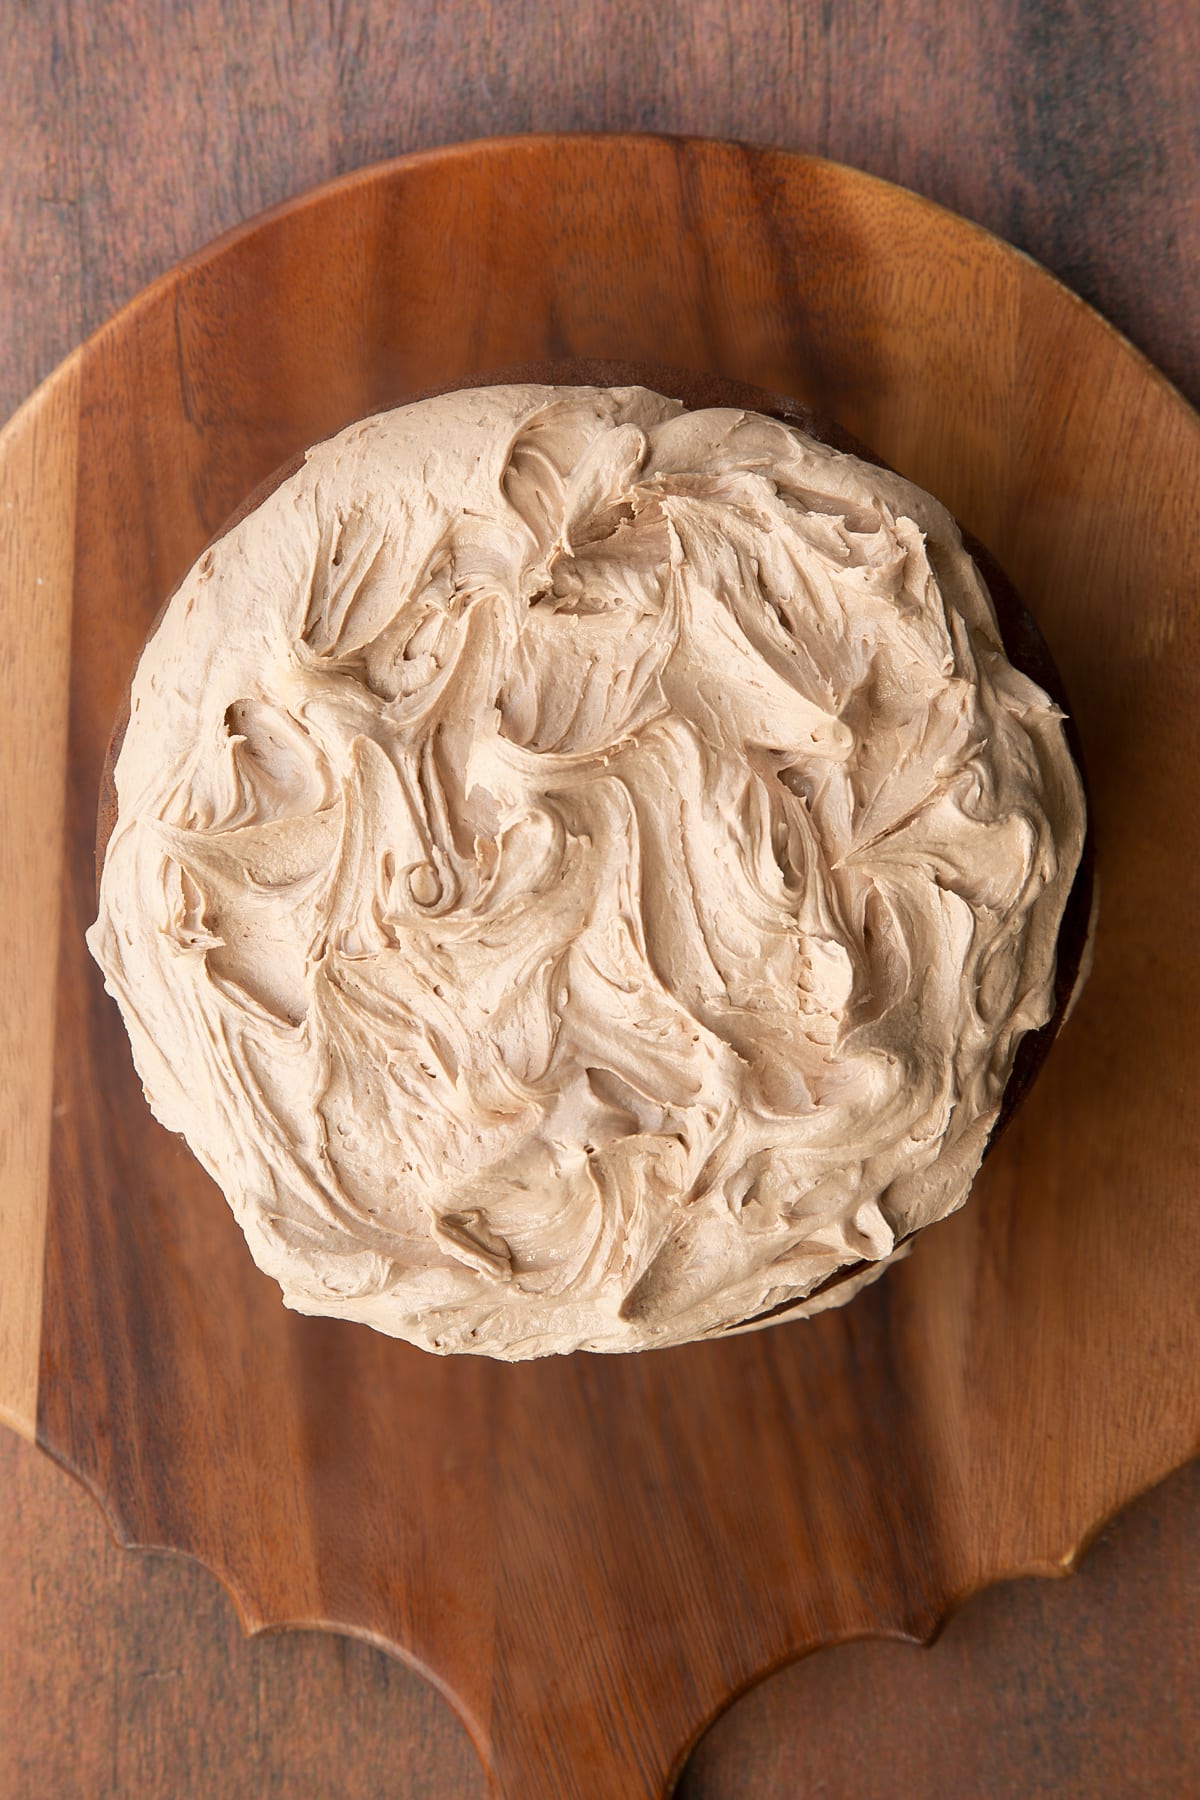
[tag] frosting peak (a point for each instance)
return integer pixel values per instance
(581, 870)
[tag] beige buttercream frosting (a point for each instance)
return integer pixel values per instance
(581, 870)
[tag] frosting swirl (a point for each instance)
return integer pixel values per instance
(581, 870)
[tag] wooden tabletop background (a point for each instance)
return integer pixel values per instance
(132, 134)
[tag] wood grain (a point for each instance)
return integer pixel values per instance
(1072, 130)
(1035, 1688)
(138, 1665)
(37, 544)
(591, 1556)
(1069, 127)
(126, 1675)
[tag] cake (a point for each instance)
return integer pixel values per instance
(581, 866)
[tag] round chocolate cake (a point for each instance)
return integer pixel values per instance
(582, 861)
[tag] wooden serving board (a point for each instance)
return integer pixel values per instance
(591, 1556)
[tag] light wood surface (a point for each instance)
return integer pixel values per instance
(665, 1529)
(37, 544)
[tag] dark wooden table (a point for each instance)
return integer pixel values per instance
(129, 136)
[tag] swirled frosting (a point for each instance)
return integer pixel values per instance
(581, 870)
